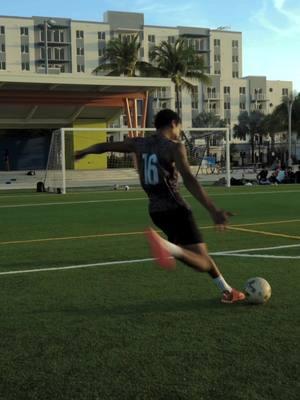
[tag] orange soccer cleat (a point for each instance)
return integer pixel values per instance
(232, 297)
(159, 251)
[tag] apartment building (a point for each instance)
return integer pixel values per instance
(65, 47)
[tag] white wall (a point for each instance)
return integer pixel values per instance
(13, 43)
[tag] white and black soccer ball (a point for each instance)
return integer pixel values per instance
(257, 290)
(126, 187)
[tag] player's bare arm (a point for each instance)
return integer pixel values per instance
(220, 217)
(99, 148)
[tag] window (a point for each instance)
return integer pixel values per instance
(59, 54)
(271, 89)
(235, 58)
(271, 104)
(242, 106)
(151, 38)
(242, 90)
(2, 31)
(25, 66)
(211, 92)
(171, 39)
(101, 52)
(23, 31)
(101, 35)
(80, 68)
(226, 105)
(226, 89)
(24, 49)
(80, 51)
(79, 35)
(2, 48)
(217, 42)
(235, 43)
(217, 57)
(217, 72)
(2, 65)
(235, 74)
(285, 92)
(56, 35)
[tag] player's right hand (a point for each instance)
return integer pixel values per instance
(78, 155)
(221, 218)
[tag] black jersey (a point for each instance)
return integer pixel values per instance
(157, 172)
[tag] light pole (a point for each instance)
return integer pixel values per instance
(290, 102)
(48, 23)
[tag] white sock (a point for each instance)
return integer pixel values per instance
(175, 250)
(222, 284)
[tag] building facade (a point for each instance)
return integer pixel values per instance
(65, 47)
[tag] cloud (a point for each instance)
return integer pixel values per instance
(278, 17)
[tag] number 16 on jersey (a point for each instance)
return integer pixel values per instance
(151, 176)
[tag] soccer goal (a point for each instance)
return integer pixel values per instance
(207, 148)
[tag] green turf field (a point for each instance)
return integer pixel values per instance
(116, 326)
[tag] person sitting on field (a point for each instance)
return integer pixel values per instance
(277, 176)
(289, 175)
(159, 159)
(262, 176)
(297, 175)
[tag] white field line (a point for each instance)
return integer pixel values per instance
(76, 266)
(234, 253)
(257, 256)
(222, 253)
(136, 198)
(59, 203)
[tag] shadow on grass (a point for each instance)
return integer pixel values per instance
(203, 306)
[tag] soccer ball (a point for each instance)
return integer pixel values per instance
(257, 290)
(126, 187)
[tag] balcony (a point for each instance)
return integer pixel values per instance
(258, 97)
(40, 43)
(53, 61)
(211, 96)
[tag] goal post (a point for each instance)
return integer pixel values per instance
(118, 169)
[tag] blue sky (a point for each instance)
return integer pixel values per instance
(271, 28)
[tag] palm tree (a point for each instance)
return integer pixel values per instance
(121, 57)
(279, 117)
(250, 125)
(179, 63)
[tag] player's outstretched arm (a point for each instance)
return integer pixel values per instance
(99, 148)
(220, 217)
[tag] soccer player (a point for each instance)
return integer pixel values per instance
(159, 159)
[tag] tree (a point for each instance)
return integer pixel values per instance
(121, 57)
(250, 125)
(279, 117)
(179, 63)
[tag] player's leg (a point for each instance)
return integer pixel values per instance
(195, 256)
(198, 252)
(181, 228)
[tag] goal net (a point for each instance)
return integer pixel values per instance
(207, 149)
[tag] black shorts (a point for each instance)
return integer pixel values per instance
(179, 225)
